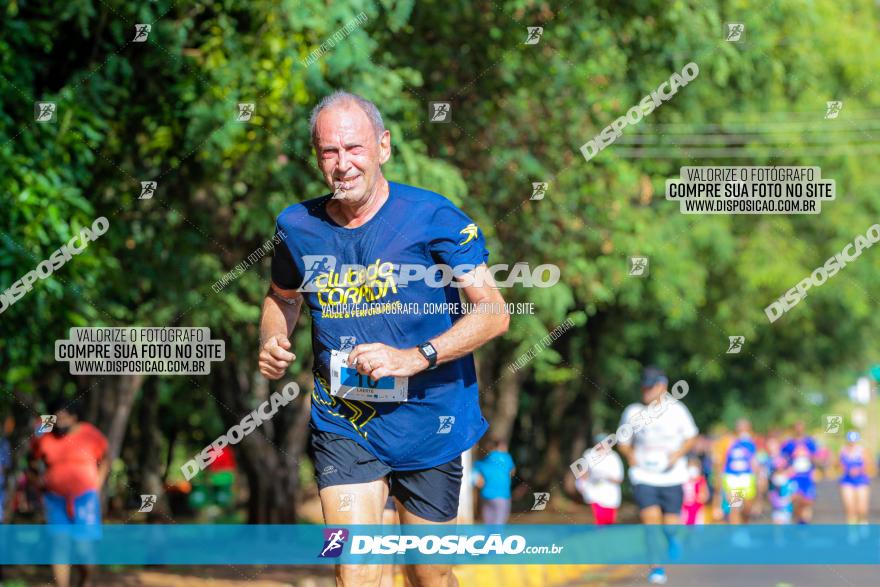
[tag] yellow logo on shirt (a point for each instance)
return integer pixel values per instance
(355, 285)
(470, 231)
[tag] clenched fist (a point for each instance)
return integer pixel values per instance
(275, 357)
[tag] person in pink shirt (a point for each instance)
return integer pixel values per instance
(696, 494)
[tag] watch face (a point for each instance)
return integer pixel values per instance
(429, 350)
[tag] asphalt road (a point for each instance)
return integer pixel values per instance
(829, 510)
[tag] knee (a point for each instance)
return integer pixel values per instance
(431, 576)
(358, 575)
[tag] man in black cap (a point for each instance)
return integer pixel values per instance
(655, 436)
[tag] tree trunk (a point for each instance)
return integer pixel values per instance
(115, 399)
(559, 400)
(150, 457)
(109, 409)
(507, 405)
(269, 457)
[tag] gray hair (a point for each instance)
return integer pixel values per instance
(342, 97)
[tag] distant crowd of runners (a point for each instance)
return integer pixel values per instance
(679, 476)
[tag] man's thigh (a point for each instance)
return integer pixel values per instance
(361, 503)
(429, 496)
(352, 483)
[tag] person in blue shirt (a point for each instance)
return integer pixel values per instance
(5, 468)
(855, 480)
(740, 467)
(800, 455)
(492, 476)
(379, 266)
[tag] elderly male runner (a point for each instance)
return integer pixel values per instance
(395, 401)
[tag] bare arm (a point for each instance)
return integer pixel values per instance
(103, 472)
(627, 451)
(685, 449)
(281, 309)
(466, 335)
(474, 330)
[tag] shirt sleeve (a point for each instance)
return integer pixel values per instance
(625, 419)
(99, 444)
(786, 450)
(688, 426)
(455, 239)
(617, 473)
(285, 273)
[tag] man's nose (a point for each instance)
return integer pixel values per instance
(344, 163)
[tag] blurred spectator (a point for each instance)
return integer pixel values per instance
(5, 469)
(600, 484)
(492, 476)
(696, 493)
(74, 470)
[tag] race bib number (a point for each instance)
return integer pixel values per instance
(654, 460)
(802, 464)
(739, 466)
(346, 382)
(739, 481)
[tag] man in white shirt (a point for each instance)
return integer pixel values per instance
(655, 436)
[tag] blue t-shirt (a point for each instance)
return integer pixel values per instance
(441, 418)
(5, 462)
(495, 470)
(799, 453)
(739, 457)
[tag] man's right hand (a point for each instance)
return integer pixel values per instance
(275, 357)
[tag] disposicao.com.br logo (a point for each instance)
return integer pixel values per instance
(476, 545)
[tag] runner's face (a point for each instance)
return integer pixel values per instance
(349, 154)
(650, 394)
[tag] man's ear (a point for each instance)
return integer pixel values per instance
(384, 147)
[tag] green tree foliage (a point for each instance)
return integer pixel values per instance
(165, 110)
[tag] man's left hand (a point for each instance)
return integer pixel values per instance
(380, 360)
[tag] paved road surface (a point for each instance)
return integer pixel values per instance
(829, 510)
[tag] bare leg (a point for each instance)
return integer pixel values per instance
(848, 497)
(863, 501)
(389, 518)
(427, 575)
(62, 575)
(366, 508)
(803, 509)
(651, 515)
(86, 574)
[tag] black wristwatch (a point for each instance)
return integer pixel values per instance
(430, 353)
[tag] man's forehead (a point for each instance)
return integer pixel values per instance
(347, 121)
